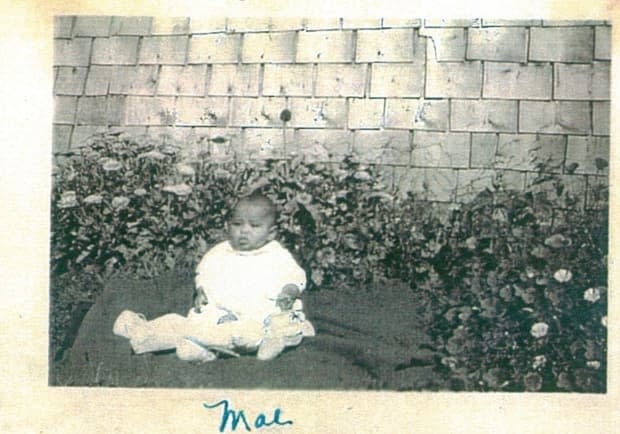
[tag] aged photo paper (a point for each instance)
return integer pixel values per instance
(28, 404)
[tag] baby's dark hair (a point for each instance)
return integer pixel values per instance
(259, 199)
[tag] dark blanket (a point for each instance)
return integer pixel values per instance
(367, 339)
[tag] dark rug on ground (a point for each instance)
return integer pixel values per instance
(370, 338)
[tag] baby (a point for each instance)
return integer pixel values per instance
(242, 286)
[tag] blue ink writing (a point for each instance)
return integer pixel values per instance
(239, 417)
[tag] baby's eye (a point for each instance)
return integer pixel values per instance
(236, 223)
(255, 225)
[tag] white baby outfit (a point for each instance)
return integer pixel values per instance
(245, 284)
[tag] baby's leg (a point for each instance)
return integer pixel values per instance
(188, 335)
(173, 331)
(192, 352)
(163, 333)
(241, 334)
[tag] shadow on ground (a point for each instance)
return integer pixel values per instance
(366, 339)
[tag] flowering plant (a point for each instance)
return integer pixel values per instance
(517, 297)
(511, 286)
(143, 208)
(333, 218)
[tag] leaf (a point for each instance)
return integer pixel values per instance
(257, 185)
(541, 179)
(202, 244)
(189, 215)
(570, 169)
(601, 163)
(180, 238)
(218, 139)
(123, 250)
(170, 262)
(317, 276)
(314, 211)
(379, 195)
(82, 256)
(558, 241)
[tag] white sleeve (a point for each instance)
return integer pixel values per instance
(296, 275)
(291, 271)
(204, 269)
(201, 279)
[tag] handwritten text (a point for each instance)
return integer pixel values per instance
(238, 417)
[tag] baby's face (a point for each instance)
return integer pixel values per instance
(250, 227)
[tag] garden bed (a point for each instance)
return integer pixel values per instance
(510, 287)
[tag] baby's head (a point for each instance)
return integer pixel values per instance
(252, 222)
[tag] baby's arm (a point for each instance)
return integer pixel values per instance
(294, 278)
(203, 280)
(200, 299)
(289, 293)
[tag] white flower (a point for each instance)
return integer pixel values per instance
(317, 276)
(539, 251)
(539, 361)
(327, 255)
(530, 272)
(93, 199)
(593, 364)
(111, 165)
(120, 202)
(313, 179)
(465, 313)
(153, 155)
(169, 149)
(68, 199)
(351, 241)
(221, 173)
(604, 321)
(500, 215)
(539, 329)
(592, 295)
(139, 192)
(557, 241)
(303, 198)
(563, 275)
(362, 175)
(178, 189)
(471, 243)
(451, 362)
(185, 169)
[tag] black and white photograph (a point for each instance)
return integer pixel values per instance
(367, 204)
(308, 206)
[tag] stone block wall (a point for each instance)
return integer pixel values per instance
(444, 106)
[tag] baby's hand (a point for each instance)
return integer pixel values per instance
(200, 300)
(287, 297)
